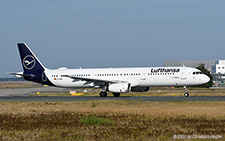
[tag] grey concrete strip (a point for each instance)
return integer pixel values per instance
(25, 91)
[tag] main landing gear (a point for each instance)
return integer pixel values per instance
(116, 94)
(186, 94)
(104, 94)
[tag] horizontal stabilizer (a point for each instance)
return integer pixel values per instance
(20, 75)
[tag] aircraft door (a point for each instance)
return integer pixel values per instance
(183, 74)
(143, 76)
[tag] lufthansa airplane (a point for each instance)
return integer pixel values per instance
(115, 80)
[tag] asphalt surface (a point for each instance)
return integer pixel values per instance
(22, 94)
(87, 98)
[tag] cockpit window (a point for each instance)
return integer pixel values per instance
(197, 72)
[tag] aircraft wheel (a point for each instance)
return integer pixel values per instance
(186, 94)
(116, 94)
(103, 94)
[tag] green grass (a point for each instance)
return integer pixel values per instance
(95, 120)
(110, 120)
(62, 125)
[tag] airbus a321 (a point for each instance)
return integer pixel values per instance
(114, 80)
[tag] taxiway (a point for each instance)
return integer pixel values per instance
(135, 98)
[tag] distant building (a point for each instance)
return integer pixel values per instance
(193, 64)
(218, 67)
(218, 73)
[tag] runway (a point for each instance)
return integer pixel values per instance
(23, 94)
(94, 98)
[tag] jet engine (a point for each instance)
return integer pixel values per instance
(119, 88)
(140, 89)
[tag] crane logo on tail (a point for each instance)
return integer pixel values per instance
(29, 62)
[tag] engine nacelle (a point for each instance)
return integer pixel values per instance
(140, 89)
(119, 88)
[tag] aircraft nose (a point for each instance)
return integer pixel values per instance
(206, 79)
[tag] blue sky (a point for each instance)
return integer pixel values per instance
(118, 33)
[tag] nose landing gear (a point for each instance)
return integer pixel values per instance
(186, 94)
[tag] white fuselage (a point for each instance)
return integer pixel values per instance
(115, 80)
(143, 77)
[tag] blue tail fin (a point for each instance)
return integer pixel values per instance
(30, 62)
(33, 69)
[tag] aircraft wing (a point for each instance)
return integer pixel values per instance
(93, 79)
